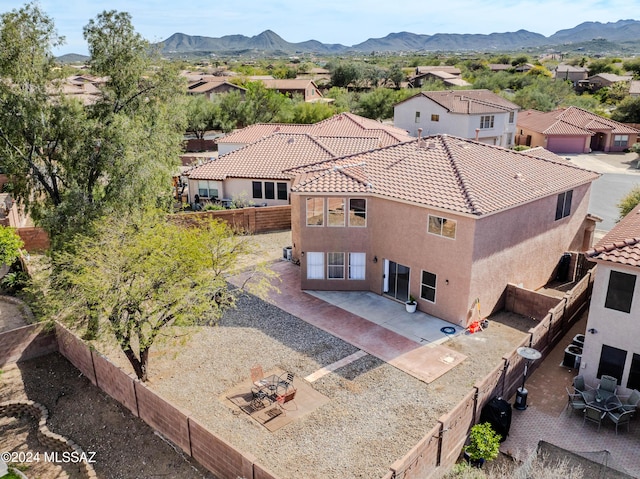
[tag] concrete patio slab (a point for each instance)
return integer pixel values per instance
(425, 362)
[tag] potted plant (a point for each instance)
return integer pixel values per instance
(484, 444)
(411, 305)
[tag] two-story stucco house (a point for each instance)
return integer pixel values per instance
(445, 219)
(612, 344)
(474, 114)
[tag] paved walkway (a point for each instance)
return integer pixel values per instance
(416, 351)
(547, 419)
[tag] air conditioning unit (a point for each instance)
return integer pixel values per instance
(572, 356)
(286, 253)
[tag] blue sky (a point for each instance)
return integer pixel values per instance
(329, 21)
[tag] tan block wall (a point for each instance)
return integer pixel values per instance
(163, 416)
(217, 455)
(76, 351)
(26, 343)
(115, 382)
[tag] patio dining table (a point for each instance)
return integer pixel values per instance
(602, 402)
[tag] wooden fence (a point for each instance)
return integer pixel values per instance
(441, 447)
(437, 451)
(251, 220)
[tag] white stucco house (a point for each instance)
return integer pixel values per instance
(611, 344)
(473, 114)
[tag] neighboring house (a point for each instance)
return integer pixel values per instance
(448, 220)
(611, 344)
(473, 114)
(342, 124)
(297, 86)
(570, 73)
(634, 88)
(255, 172)
(441, 72)
(209, 88)
(573, 130)
(602, 80)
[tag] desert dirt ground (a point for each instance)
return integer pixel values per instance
(370, 433)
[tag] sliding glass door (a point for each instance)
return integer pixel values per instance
(396, 280)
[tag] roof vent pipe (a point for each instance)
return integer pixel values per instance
(477, 133)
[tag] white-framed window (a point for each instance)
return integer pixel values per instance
(335, 211)
(335, 265)
(357, 265)
(512, 116)
(315, 265)
(620, 140)
(509, 139)
(563, 204)
(428, 286)
(486, 121)
(435, 117)
(357, 212)
(417, 117)
(207, 189)
(315, 211)
(442, 227)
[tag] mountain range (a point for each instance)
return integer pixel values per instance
(620, 33)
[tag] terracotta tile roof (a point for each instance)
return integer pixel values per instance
(541, 152)
(289, 84)
(569, 121)
(445, 172)
(341, 125)
(468, 101)
(621, 245)
(348, 124)
(201, 87)
(267, 158)
(258, 131)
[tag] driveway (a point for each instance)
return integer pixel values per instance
(619, 176)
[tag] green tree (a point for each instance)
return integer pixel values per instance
(629, 202)
(70, 163)
(342, 75)
(603, 65)
(10, 245)
(308, 113)
(396, 75)
(142, 278)
(627, 111)
(201, 115)
(633, 66)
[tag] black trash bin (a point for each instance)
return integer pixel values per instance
(497, 412)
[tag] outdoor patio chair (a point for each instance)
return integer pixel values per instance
(579, 384)
(594, 415)
(631, 402)
(620, 418)
(575, 401)
(608, 386)
(286, 389)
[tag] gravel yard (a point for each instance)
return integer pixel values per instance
(375, 414)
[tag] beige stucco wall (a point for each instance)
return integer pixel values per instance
(522, 246)
(614, 328)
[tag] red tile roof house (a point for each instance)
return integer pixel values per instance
(611, 344)
(296, 86)
(573, 130)
(445, 219)
(342, 124)
(473, 114)
(255, 172)
(252, 160)
(213, 87)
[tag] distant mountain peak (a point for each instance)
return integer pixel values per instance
(269, 41)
